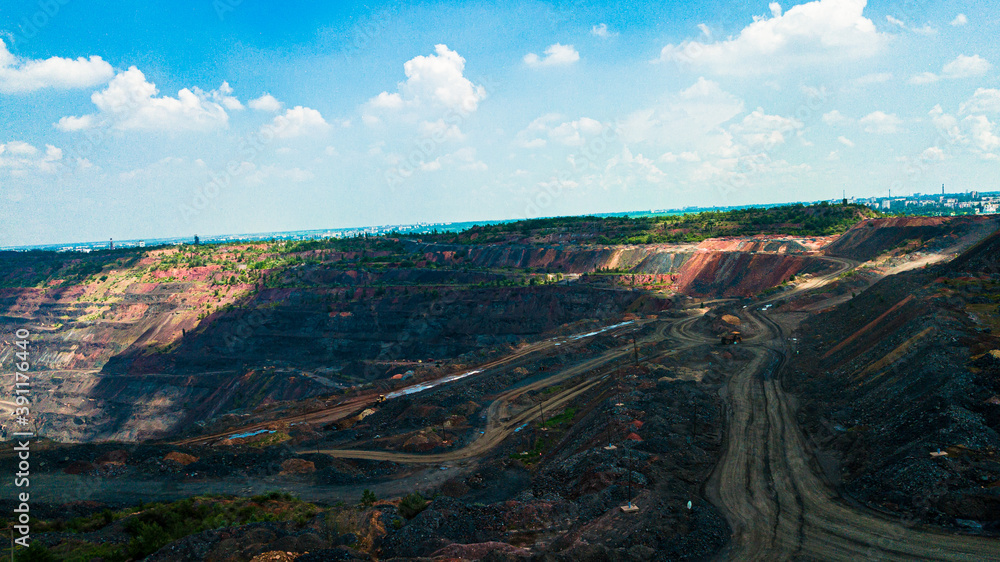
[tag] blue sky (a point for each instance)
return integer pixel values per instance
(141, 120)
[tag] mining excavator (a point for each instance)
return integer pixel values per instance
(731, 338)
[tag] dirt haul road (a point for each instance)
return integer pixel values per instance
(355, 404)
(778, 508)
(496, 429)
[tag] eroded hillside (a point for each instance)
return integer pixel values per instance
(132, 344)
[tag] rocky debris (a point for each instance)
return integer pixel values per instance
(333, 554)
(297, 466)
(182, 459)
(244, 542)
(79, 467)
(275, 556)
(911, 384)
(423, 441)
(870, 238)
(480, 550)
(118, 456)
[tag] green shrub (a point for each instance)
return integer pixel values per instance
(368, 498)
(36, 552)
(411, 505)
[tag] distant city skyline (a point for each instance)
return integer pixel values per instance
(162, 119)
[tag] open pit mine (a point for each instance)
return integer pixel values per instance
(544, 390)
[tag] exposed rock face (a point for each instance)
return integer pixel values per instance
(741, 274)
(156, 346)
(182, 459)
(872, 237)
(298, 466)
(902, 371)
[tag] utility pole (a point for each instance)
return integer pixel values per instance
(635, 351)
(630, 508)
(618, 390)
(541, 413)
(694, 424)
(610, 446)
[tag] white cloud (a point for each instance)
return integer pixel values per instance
(846, 141)
(223, 96)
(932, 153)
(298, 121)
(19, 75)
(385, 100)
(575, 133)
(818, 32)
(682, 157)
(20, 148)
(433, 81)
(555, 185)
(924, 78)
(625, 167)
(981, 132)
(130, 102)
(962, 67)
(462, 159)
(965, 67)
(880, 122)
(685, 120)
(985, 100)
(601, 30)
(868, 79)
(975, 132)
(18, 158)
(264, 174)
(959, 20)
(568, 133)
(169, 166)
(555, 55)
(834, 117)
(439, 131)
(267, 102)
(760, 131)
(925, 30)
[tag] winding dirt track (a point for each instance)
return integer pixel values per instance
(351, 405)
(777, 506)
(496, 430)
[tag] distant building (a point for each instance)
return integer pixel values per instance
(142, 243)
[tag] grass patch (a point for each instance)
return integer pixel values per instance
(153, 526)
(564, 418)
